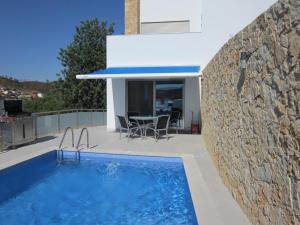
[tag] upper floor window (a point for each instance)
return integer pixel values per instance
(165, 27)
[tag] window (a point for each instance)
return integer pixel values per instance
(165, 27)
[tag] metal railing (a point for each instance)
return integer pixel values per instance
(87, 138)
(1, 144)
(47, 123)
(60, 157)
(63, 138)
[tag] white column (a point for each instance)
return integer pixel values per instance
(116, 102)
(191, 101)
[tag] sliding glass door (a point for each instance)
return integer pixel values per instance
(165, 97)
(169, 98)
(140, 98)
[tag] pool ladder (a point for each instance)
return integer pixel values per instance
(60, 152)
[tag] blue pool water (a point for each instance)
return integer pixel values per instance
(101, 189)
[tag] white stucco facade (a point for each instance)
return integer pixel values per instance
(116, 101)
(153, 11)
(178, 33)
(154, 50)
(218, 20)
(158, 49)
(223, 19)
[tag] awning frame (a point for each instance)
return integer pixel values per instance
(163, 72)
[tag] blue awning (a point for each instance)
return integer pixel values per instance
(144, 72)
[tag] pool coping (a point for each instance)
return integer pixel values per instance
(205, 209)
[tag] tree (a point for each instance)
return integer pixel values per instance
(51, 101)
(85, 54)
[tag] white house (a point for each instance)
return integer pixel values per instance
(155, 68)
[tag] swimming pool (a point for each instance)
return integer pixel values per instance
(100, 189)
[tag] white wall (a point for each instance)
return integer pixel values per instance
(220, 20)
(154, 50)
(116, 101)
(223, 19)
(172, 10)
(191, 101)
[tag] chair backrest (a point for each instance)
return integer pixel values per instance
(175, 116)
(130, 114)
(162, 122)
(133, 114)
(123, 122)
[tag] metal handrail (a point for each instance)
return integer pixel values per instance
(1, 144)
(63, 138)
(87, 138)
(68, 111)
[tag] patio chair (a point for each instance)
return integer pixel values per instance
(161, 124)
(175, 120)
(130, 128)
(130, 114)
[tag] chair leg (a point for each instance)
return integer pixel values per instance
(135, 132)
(167, 134)
(120, 133)
(128, 134)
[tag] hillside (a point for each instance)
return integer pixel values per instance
(11, 83)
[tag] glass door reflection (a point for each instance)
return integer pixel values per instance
(140, 98)
(169, 99)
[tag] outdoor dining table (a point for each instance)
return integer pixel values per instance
(143, 122)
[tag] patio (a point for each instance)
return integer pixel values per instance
(212, 201)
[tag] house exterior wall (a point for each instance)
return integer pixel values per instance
(172, 10)
(191, 101)
(116, 101)
(205, 14)
(251, 124)
(223, 19)
(154, 50)
(132, 16)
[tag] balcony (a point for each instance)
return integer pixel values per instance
(154, 50)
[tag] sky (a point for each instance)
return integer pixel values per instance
(33, 31)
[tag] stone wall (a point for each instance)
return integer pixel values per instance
(132, 16)
(251, 117)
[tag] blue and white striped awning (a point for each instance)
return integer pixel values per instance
(144, 72)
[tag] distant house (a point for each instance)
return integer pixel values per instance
(154, 68)
(30, 94)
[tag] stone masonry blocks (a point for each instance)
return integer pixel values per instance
(251, 117)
